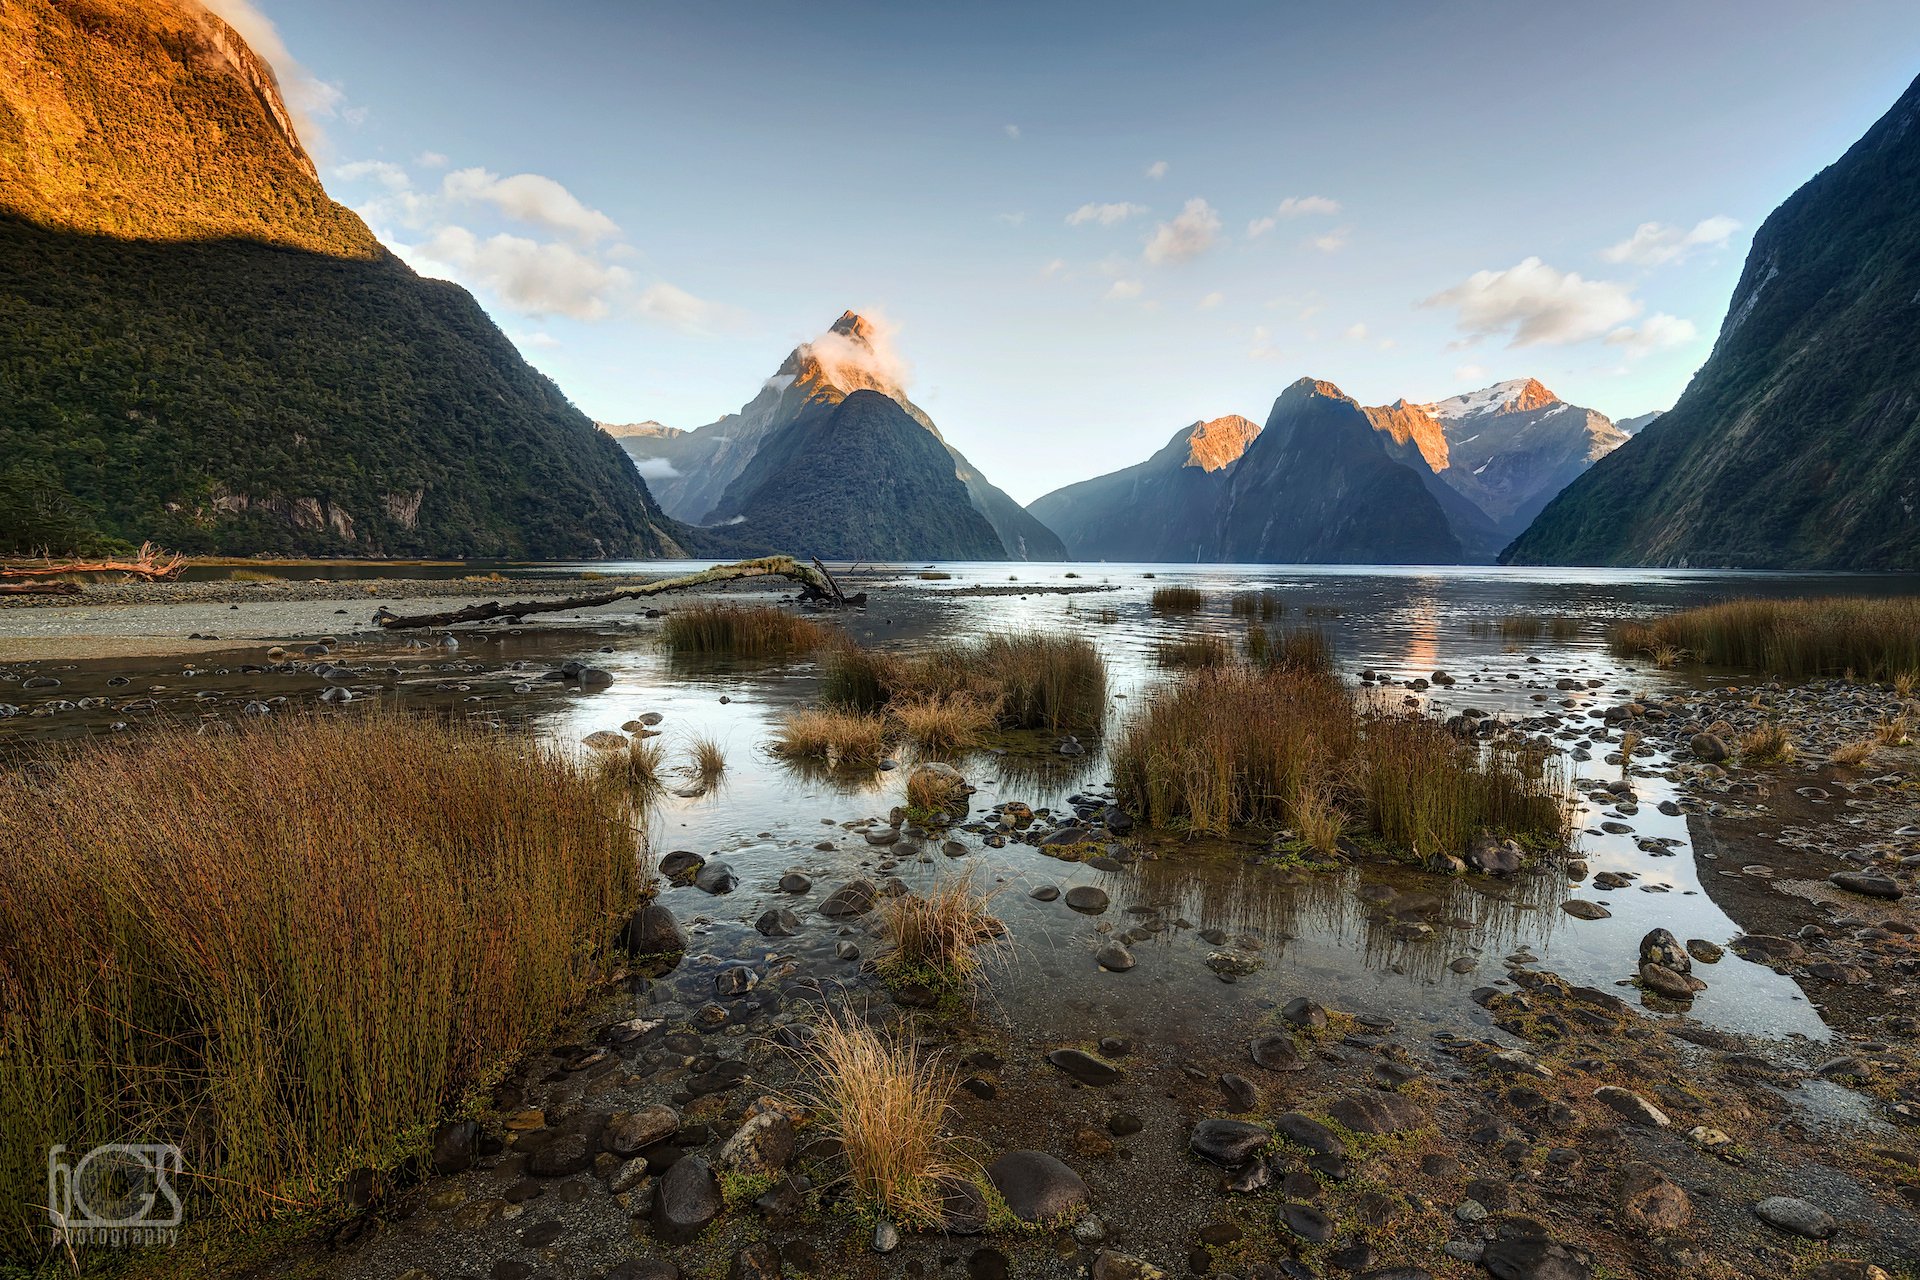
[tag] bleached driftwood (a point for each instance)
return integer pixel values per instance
(152, 563)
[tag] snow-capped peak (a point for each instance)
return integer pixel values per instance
(1514, 394)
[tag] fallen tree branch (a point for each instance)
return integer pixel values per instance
(816, 584)
(39, 588)
(151, 563)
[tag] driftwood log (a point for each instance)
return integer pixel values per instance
(816, 585)
(152, 564)
(39, 588)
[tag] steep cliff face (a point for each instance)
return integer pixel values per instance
(198, 346)
(1317, 486)
(1164, 509)
(858, 479)
(1512, 446)
(1797, 444)
(708, 461)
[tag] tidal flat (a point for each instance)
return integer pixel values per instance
(1681, 1042)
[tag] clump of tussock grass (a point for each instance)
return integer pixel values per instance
(1177, 599)
(887, 1108)
(1290, 649)
(834, 735)
(936, 793)
(1767, 743)
(637, 766)
(938, 723)
(1030, 680)
(290, 947)
(1894, 731)
(1272, 746)
(1192, 651)
(940, 938)
(706, 762)
(1264, 605)
(1852, 755)
(1876, 638)
(755, 631)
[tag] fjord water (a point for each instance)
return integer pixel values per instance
(1388, 941)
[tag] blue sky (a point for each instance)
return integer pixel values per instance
(1088, 225)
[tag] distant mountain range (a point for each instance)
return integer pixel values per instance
(1797, 444)
(1452, 480)
(199, 347)
(752, 472)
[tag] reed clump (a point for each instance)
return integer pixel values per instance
(1291, 748)
(836, 736)
(751, 631)
(637, 766)
(1304, 649)
(1876, 638)
(1177, 599)
(939, 723)
(706, 762)
(886, 1106)
(1264, 605)
(940, 938)
(1193, 651)
(290, 947)
(1029, 680)
(1767, 743)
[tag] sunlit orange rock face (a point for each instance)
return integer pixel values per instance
(1411, 425)
(1220, 442)
(153, 120)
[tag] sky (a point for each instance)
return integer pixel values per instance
(1086, 225)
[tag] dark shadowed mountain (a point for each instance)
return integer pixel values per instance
(1797, 444)
(1163, 509)
(694, 471)
(857, 479)
(1317, 486)
(199, 347)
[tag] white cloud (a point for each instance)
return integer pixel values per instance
(1334, 241)
(655, 468)
(1124, 289)
(1191, 233)
(1053, 268)
(308, 97)
(1535, 305)
(1357, 333)
(530, 198)
(1262, 347)
(387, 174)
(1470, 373)
(1301, 206)
(1654, 244)
(1012, 131)
(1658, 332)
(853, 363)
(1211, 301)
(1157, 170)
(1011, 219)
(541, 340)
(1259, 227)
(679, 309)
(431, 160)
(534, 278)
(1104, 214)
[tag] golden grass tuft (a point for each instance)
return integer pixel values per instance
(1875, 638)
(753, 631)
(638, 766)
(1769, 743)
(1852, 755)
(288, 947)
(1290, 649)
(1894, 731)
(936, 791)
(939, 938)
(833, 735)
(941, 723)
(1177, 599)
(1193, 651)
(887, 1108)
(1030, 680)
(1264, 605)
(706, 762)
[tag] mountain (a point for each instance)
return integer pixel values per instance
(1508, 448)
(1797, 444)
(858, 479)
(197, 346)
(1163, 509)
(1634, 426)
(851, 356)
(1316, 486)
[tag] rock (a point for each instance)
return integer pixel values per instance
(1518, 1256)
(963, 1207)
(1228, 1143)
(1766, 949)
(567, 1154)
(1796, 1216)
(630, 1132)
(1239, 1092)
(760, 1147)
(681, 865)
(1305, 1221)
(1087, 898)
(1307, 1132)
(1581, 909)
(854, 898)
(796, 883)
(1631, 1106)
(606, 740)
(1373, 1112)
(756, 1261)
(886, 1237)
(1870, 884)
(1495, 857)
(1045, 893)
(1302, 1012)
(1114, 958)
(777, 922)
(1662, 948)
(735, 980)
(1036, 1186)
(1709, 747)
(716, 878)
(651, 931)
(1277, 1052)
(455, 1143)
(1108, 1265)
(1663, 981)
(1084, 1067)
(686, 1200)
(1652, 1204)
(1514, 1062)
(1232, 965)
(1703, 951)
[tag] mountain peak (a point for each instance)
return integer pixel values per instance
(852, 324)
(1307, 387)
(1219, 442)
(1516, 395)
